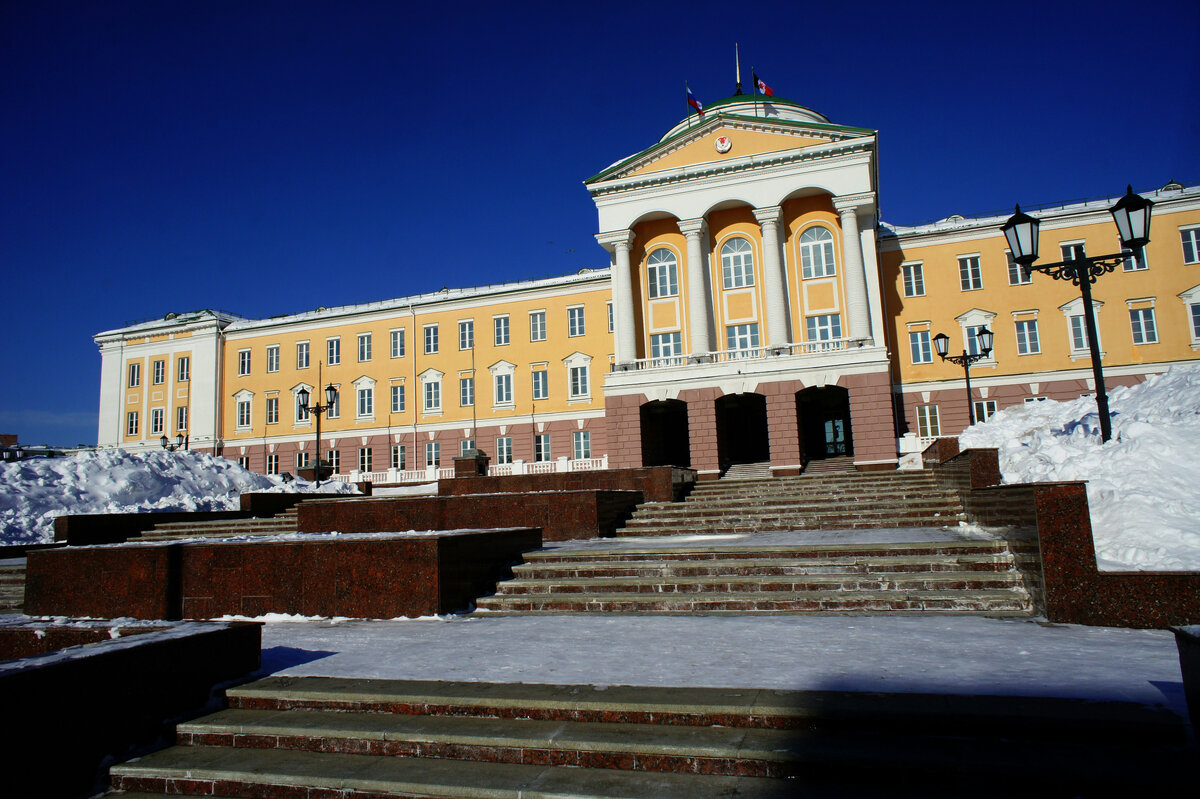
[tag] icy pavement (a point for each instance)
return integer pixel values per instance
(963, 655)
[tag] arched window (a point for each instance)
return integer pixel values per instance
(816, 252)
(663, 272)
(737, 263)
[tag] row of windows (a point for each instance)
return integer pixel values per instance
(745, 337)
(159, 371)
(157, 421)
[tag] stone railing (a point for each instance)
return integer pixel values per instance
(432, 474)
(748, 353)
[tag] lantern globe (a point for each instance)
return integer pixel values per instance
(985, 338)
(330, 394)
(941, 344)
(1021, 231)
(302, 397)
(1132, 216)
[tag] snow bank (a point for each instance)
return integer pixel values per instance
(1143, 485)
(35, 491)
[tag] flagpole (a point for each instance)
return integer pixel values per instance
(754, 89)
(687, 93)
(737, 63)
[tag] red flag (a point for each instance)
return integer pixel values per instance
(761, 87)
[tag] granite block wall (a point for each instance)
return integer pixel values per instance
(656, 483)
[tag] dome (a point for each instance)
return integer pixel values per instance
(753, 105)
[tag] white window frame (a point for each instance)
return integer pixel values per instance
(131, 423)
(465, 446)
(397, 342)
(243, 363)
(1072, 250)
(984, 409)
(431, 392)
(662, 273)
(430, 335)
(504, 450)
(1027, 345)
(913, 274)
(818, 256)
(158, 421)
(160, 372)
(335, 460)
(667, 348)
(335, 410)
(823, 327)
(399, 457)
(970, 272)
(540, 384)
(581, 441)
(302, 417)
(397, 400)
(364, 399)
(1017, 275)
(303, 356)
(243, 461)
(243, 410)
(466, 391)
(333, 351)
(611, 321)
(579, 383)
(537, 325)
(181, 418)
(272, 414)
(364, 347)
(466, 334)
(541, 448)
(273, 358)
(1189, 243)
(433, 453)
(501, 330)
(135, 375)
(742, 338)
(929, 421)
(920, 346)
(366, 459)
(302, 460)
(183, 368)
(1077, 343)
(737, 263)
(1148, 334)
(273, 463)
(576, 321)
(1191, 309)
(970, 323)
(502, 390)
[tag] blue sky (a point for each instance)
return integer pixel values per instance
(271, 157)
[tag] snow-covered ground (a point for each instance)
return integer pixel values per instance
(35, 491)
(1143, 485)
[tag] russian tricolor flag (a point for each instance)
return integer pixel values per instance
(693, 102)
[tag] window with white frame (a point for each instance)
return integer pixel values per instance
(433, 395)
(465, 446)
(537, 325)
(466, 334)
(397, 337)
(302, 355)
(398, 398)
(181, 418)
(333, 351)
(662, 273)
(919, 346)
(273, 463)
(970, 274)
(135, 375)
(272, 410)
(1191, 304)
(737, 263)
(431, 339)
(579, 382)
(1073, 250)
(541, 384)
(301, 460)
(466, 391)
(335, 461)
(928, 423)
(582, 444)
(365, 456)
(273, 358)
(335, 408)
(243, 461)
(504, 452)
(664, 346)
(301, 410)
(609, 305)
(1077, 325)
(157, 421)
(741, 337)
(399, 457)
(914, 280)
(184, 369)
(1190, 240)
(160, 372)
(1079, 342)
(131, 423)
(984, 410)
(1027, 337)
(502, 394)
(500, 330)
(575, 321)
(433, 453)
(816, 252)
(1134, 261)
(243, 363)
(971, 339)
(1141, 320)
(1017, 276)
(243, 414)
(824, 328)
(366, 402)
(364, 347)
(1194, 315)
(541, 447)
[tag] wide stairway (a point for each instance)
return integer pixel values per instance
(368, 739)
(279, 524)
(973, 577)
(824, 501)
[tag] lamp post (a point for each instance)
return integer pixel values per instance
(1132, 217)
(302, 396)
(941, 343)
(180, 442)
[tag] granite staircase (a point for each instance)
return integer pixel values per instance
(12, 585)
(280, 524)
(971, 577)
(825, 501)
(311, 737)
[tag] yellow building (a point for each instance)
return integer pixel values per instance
(754, 309)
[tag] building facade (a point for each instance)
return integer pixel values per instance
(755, 309)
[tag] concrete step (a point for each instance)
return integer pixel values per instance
(816, 552)
(764, 567)
(948, 581)
(775, 525)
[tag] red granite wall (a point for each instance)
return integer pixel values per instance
(871, 420)
(623, 415)
(38, 638)
(656, 483)
(783, 426)
(702, 431)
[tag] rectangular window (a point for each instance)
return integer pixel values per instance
(1134, 262)
(1073, 252)
(1194, 311)
(181, 418)
(433, 453)
(541, 385)
(970, 276)
(971, 333)
(984, 410)
(741, 337)
(1190, 238)
(273, 358)
(301, 411)
(1079, 340)
(301, 460)
(928, 424)
(431, 339)
(503, 390)
(135, 375)
(662, 276)
(433, 396)
(185, 369)
(243, 461)
(575, 324)
(273, 463)
(335, 410)
(824, 328)
(1142, 322)
(272, 410)
(666, 346)
(504, 450)
(160, 372)
(466, 334)
(465, 446)
(366, 403)
(131, 423)
(537, 326)
(335, 461)
(579, 382)
(541, 447)
(500, 324)
(398, 399)
(399, 457)
(466, 391)
(243, 413)
(1027, 337)
(302, 355)
(333, 351)
(397, 343)
(919, 346)
(1016, 275)
(610, 317)
(914, 280)
(157, 419)
(364, 459)
(582, 444)
(364, 347)
(243, 363)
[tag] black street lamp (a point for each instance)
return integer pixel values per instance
(1132, 217)
(302, 396)
(180, 442)
(941, 343)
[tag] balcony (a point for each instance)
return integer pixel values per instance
(808, 348)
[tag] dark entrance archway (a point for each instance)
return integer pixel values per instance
(665, 434)
(824, 417)
(742, 429)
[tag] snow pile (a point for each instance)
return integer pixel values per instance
(1142, 485)
(35, 491)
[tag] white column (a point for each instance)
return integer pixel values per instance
(697, 305)
(773, 280)
(858, 320)
(618, 243)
